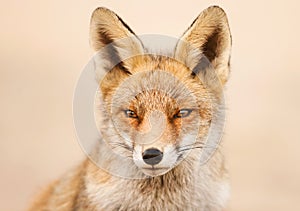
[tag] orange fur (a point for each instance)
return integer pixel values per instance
(155, 88)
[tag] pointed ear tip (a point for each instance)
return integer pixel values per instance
(102, 9)
(216, 10)
(99, 11)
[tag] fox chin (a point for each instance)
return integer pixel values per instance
(160, 117)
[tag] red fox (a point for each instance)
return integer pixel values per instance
(157, 112)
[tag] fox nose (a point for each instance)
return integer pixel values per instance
(152, 156)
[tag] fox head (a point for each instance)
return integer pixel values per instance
(156, 109)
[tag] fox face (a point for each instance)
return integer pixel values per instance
(157, 110)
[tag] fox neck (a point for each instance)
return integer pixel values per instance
(187, 184)
(177, 179)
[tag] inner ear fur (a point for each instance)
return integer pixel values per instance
(109, 31)
(206, 44)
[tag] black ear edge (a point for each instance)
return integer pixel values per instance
(104, 37)
(116, 17)
(125, 25)
(130, 30)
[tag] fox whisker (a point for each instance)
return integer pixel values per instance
(195, 147)
(122, 145)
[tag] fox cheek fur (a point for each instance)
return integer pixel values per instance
(200, 62)
(149, 107)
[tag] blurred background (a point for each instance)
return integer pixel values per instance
(44, 46)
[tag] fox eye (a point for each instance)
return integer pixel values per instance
(183, 113)
(130, 114)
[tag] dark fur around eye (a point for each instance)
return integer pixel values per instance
(183, 113)
(130, 114)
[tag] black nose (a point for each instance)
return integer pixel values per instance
(152, 156)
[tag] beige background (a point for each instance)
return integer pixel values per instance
(44, 46)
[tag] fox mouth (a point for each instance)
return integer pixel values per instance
(155, 171)
(155, 168)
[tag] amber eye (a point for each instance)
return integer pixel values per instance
(183, 113)
(130, 114)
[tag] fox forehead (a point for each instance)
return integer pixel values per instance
(157, 77)
(158, 62)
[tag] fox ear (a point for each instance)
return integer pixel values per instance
(108, 31)
(206, 45)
